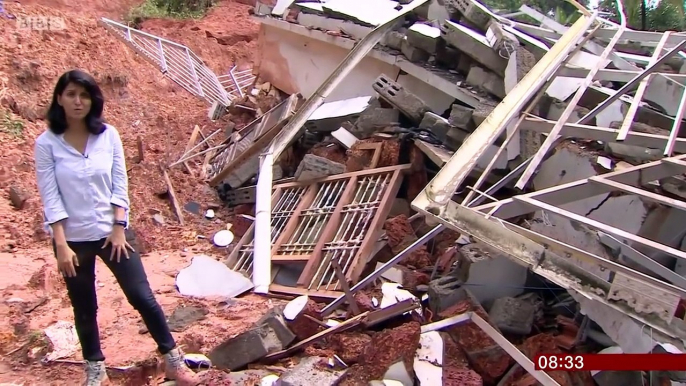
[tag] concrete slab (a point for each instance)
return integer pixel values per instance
(475, 45)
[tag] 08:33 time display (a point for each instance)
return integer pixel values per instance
(560, 362)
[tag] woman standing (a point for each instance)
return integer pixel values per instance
(83, 186)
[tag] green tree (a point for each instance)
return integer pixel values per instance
(562, 11)
(667, 15)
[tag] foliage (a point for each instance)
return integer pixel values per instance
(177, 9)
(562, 11)
(667, 15)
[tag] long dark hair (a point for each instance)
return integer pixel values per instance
(57, 120)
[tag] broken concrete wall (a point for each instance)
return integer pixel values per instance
(285, 60)
(571, 163)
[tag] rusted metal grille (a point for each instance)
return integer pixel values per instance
(338, 218)
(281, 212)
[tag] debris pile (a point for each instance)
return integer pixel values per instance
(408, 300)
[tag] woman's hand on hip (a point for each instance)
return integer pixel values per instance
(119, 244)
(66, 261)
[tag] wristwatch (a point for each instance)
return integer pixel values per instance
(121, 223)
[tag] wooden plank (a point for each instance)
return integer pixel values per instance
(293, 222)
(290, 258)
(172, 195)
(362, 173)
(302, 291)
(328, 233)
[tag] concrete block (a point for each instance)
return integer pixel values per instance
(393, 40)
(374, 119)
(445, 292)
(493, 275)
(455, 138)
(246, 348)
(409, 104)
(461, 117)
(512, 315)
(424, 36)
(274, 319)
(480, 115)
(437, 124)
(413, 53)
(471, 11)
(499, 38)
(475, 45)
(487, 81)
(314, 167)
(310, 372)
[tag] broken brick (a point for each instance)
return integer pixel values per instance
(350, 346)
(486, 357)
(386, 348)
(418, 178)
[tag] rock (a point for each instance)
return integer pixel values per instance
(158, 219)
(18, 196)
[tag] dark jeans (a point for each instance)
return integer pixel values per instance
(132, 279)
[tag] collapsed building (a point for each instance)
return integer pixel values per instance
(501, 178)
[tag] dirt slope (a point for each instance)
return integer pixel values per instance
(140, 102)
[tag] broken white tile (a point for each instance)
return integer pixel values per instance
(426, 30)
(207, 277)
(340, 108)
(428, 360)
(344, 137)
(392, 294)
(605, 162)
(398, 372)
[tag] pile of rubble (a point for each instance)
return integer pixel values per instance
(390, 280)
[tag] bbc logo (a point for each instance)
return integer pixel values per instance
(41, 23)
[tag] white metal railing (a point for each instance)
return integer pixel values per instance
(181, 65)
